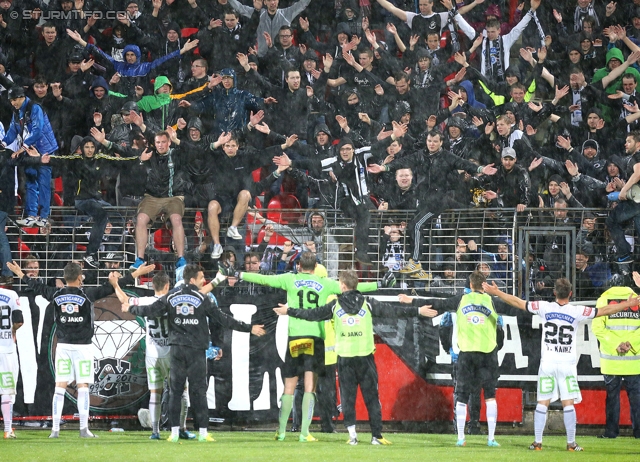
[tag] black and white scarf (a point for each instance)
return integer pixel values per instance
(495, 68)
(581, 13)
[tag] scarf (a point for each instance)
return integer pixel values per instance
(494, 58)
(455, 43)
(539, 27)
(581, 13)
(423, 79)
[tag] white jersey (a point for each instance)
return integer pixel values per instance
(560, 323)
(157, 330)
(9, 302)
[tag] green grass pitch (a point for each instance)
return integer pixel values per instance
(34, 445)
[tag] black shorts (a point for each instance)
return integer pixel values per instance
(227, 202)
(202, 195)
(303, 354)
(475, 370)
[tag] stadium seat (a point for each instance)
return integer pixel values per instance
(57, 200)
(162, 240)
(187, 33)
(23, 249)
(276, 239)
(256, 175)
(248, 238)
(282, 202)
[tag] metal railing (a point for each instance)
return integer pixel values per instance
(520, 250)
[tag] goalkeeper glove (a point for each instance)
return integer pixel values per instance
(388, 280)
(227, 269)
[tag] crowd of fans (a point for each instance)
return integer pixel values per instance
(346, 105)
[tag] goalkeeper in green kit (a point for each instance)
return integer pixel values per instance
(352, 315)
(305, 349)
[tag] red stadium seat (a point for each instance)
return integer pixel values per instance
(276, 239)
(162, 240)
(284, 201)
(57, 200)
(33, 230)
(256, 175)
(248, 238)
(23, 249)
(188, 32)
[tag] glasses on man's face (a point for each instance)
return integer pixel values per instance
(285, 36)
(346, 149)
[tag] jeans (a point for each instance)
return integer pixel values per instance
(624, 211)
(96, 210)
(5, 250)
(613, 384)
(38, 191)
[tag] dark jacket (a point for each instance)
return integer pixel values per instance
(437, 171)
(73, 308)
(229, 109)
(188, 311)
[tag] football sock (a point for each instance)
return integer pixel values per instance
(285, 411)
(570, 423)
(7, 412)
(56, 408)
(175, 432)
(155, 410)
(492, 417)
(83, 407)
(461, 418)
(308, 402)
(352, 431)
(203, 432)
(539, 421)
(184, 409)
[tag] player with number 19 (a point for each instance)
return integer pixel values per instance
(305, 348)
(557, 375)
(10, 322)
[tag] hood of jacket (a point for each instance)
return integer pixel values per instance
(227, 71)
(133, 48)
(89, 139)
(321, 128)
(400, 109)
(353, 6)
(471, 95)
(100, 82)
(618, 162)
(76, 142)
(343, 28)
(196, 123)
(615, 53)
(592, 142)
(160, 81)
(351, 302)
